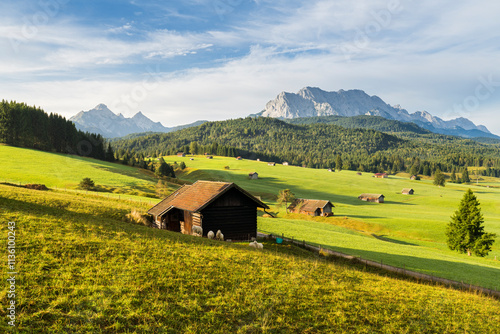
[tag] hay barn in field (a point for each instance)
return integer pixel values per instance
(312, 207)
(380, 175)
(212, 206)
(376, 198)
(407, 191)
(253, 176)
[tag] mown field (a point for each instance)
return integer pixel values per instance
(82, 269)
(405, 231)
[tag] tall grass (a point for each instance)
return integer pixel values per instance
(83, 269)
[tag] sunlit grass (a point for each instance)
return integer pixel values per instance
(82, 269)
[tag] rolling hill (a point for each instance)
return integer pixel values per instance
(83, 269)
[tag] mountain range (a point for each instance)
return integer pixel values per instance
(103, 121)
(313, 102)
(309, 102)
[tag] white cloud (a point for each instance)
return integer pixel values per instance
(424, 56)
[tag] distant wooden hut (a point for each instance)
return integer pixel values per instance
(330, 170)
(312, 207)
(407, 191)
(359, 174)
(253, 176)
(380, 175)
(181, 154)
(212, 206)
(414, 177)
(285, 163)
(271, 163)
(376, 198)
(238, 158)
(209, 157)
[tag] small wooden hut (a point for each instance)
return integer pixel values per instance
(407, 191)
(376, 198)
(312, 207)
(253, 176)
(212, 206)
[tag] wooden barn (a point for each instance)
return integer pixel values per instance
(253, 176)
(212, 206)
(407, 191)
(181, 154)
(380, 175)
(312, 207)
(377, 198)
(285, 163)
(271, 163)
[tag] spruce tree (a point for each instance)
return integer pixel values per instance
(338, 162)
(465, 175)
(465, 232)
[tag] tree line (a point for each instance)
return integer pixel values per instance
(319, 146)
(31, 127)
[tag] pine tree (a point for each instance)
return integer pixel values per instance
(465, 175)
(338, 162)
(465, 233)
(453, 176)
(110, 156)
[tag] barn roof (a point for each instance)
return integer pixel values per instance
(197, 196)
(369, 196)
(407, 190)
(309, 205)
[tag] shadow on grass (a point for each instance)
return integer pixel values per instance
(364, 216)
(269, 185)
(399, 242)
(484, 276)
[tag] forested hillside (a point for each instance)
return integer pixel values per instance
(363, 122)
(30, 127)
(316, 145)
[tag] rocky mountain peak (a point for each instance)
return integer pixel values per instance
(313, 101)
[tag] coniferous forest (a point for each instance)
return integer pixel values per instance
(402, 147)
(30, 127)
(318, 145)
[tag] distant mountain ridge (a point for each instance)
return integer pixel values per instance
(313, 102)
(103, 121)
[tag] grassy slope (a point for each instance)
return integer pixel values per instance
(410, 229)
(81, 269)
(66, 171)
(404, 231)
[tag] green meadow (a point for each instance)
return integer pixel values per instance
(405, 231)
(66, 171)
(83, 269)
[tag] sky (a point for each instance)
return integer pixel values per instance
(182, 61)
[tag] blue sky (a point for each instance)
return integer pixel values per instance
(180, 61)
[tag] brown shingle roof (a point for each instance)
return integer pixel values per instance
(370, 196)
(196, 196)
(309, 205)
